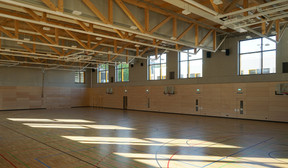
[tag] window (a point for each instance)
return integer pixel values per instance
(157, 67)
(190, 64)
(79, 77)
(122, 72)
(257, 56)
(103, 73)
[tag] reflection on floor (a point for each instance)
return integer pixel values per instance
(87, 137)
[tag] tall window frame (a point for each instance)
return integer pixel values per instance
(79, 77)
(157, 67)
(103, 73)
(122, 72)
(190, 64)
(257, 56)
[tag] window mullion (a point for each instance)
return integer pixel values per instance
(261, 55)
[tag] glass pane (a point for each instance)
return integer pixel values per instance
(183, 69)
(102, 67)
(250, 64)
(199, 55)
(76, 77)
(250, 45)
(98, 77)
(118, 75)
(103, 76)
(125, 65)
(119, 66)
(82, 77)
(269, 62)
(268, 44)
(195, 69)
(152, 72)
(163, 71)
(191, 51)
(126, 75)
(157, 72)
(152, 59)
(163, 59)
(183, 56)
(157, 61)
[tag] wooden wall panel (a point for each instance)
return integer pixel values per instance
(17, 97)
(223, 100)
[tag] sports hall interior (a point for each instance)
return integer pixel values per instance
(143, 83)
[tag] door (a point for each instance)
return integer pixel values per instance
(125, 102)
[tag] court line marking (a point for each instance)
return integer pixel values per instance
(19, 160)
(270, 155)
(227, 138)
(42, 163)
(8, 160)
(171, 158)
(249, 147)
(83, 149)
(49, 146)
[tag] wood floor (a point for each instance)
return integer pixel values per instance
(87, 137)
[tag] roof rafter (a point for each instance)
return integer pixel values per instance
(50, 5)
(130, 15)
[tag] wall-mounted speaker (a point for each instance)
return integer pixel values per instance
(93, 70)
(208, 54)
(227, 52)
(112, 79)
(285, 67)
(172, 75)
(142, 64)
(132, 65)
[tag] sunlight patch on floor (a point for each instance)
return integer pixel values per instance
(144, 142)
(50, 120)
(77, 126)
(179, 160)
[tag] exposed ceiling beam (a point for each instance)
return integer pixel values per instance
(41, 32)
(93, 8)
(130, 15)
(160, 24)
(50, 5)
(230, 6)
(105, 25)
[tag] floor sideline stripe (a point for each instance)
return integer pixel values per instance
(238, 152)
(8, 160)
(42, 163)
(18, 160)
(49, 146)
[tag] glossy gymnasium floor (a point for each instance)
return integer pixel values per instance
(87, 137)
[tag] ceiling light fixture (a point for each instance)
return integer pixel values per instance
(217, 2)
(78, 13)
(46, 28)
(98, 38)
(173, 38)
(133, 27)
(248, 37)
(223, 27)
(186, 12)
